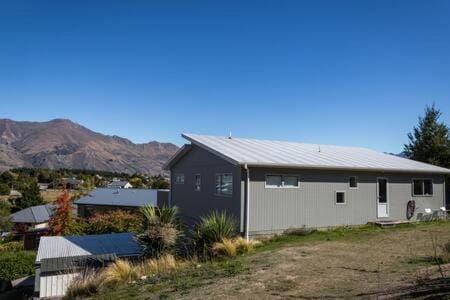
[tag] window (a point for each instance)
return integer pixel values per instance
(224, 184)
(340, 197)
(353, 182)
(281, 181)
(179, 179)
(274, 181)
(290, 181)
(197, 182)
(422, 187)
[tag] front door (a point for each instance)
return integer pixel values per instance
(382, 198)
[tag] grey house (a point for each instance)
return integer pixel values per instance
(270, 186)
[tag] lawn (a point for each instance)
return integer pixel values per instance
(349, 263)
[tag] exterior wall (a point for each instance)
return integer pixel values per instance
(194, 204)
(313, 203)
(55, 285)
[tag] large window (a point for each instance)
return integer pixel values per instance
(353, 182)
(179, 178)
(197, 182)
(224, 184)
(340, 197)
(422, 187)
(281, 181)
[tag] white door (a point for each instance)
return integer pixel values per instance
(382, 198)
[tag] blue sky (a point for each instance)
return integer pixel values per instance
(335, 72)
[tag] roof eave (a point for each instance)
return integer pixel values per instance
(337, 168)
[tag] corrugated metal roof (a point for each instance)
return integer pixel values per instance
(117, 184)
(292, 154)
(120, 197)
(33, 214)
(120, 244)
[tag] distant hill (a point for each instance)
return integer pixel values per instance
(61, 143)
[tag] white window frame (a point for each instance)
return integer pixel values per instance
(195, 182)
(423, 187)
(357, 183)
(175, 178)
(335, 198)
(232, 183)
(282, 181)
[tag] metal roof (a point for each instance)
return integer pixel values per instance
(34, 214)
(121, 197)
(254, 152)
(118, 183)
(120, 244)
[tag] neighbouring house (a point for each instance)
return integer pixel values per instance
(60, 259)
(43, 186)
(119, 184)
(271, 186)
(106, 199)
(31, 223)
(71, 183)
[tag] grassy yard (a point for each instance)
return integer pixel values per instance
(349, 263)
(51, 195)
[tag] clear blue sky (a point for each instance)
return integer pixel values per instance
(335, 72)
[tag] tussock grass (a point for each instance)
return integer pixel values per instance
(86, 284)
(121, 271)
(234, 247)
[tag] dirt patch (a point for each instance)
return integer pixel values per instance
(361, 267)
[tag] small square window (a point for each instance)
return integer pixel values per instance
(179, 179)
(290, 181)
(224, 184)
(340, 197)
(353, 182)
(197, 182)
(422, 187)
(274, 181)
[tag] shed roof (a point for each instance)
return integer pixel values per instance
(268, 153)
(120, 244)
(34, 214)
(120, 197)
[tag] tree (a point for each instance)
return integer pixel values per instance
(159, 182)
(5, 211)
(136, 182)
(31, 196)
(430, 140)
(4, 189)
(62, 220)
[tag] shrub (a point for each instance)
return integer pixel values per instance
(121, 271)
(11, 246)
(4, 189)
(86, 284)
(16, 264)
(114, 222)
(233, 247)
(162, 233)
(214, 228)
(165, 264)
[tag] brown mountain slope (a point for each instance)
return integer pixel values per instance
(64, 144)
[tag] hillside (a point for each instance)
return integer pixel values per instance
(61, 143)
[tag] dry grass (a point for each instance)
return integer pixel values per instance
(233, 247)
(165, 264)
(51, 195)
(121, 271)
(87, 284)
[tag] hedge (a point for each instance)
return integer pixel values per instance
(16, 264)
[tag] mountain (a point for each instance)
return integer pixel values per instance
(61, 143)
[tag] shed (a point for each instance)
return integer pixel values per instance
(61, 258)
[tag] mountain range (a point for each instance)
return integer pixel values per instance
(61, 143)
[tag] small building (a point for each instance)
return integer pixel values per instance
(60, 259)
(119, 184)
(43, 186)
(271, 186)
(31, 223)
(71, 183)
(106, 199)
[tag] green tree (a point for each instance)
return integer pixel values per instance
(429, 142)
(136, 182)
(31, 196)
(5, 211)
(4, 189)
(159, 182)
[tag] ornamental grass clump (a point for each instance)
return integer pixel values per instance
(121, 271)
(234, 247)
(162, 233)
(86, 284)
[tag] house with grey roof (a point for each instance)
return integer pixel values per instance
(60, 259)
(35, 216)
(271, 186)
(119, 184)
(106, 199)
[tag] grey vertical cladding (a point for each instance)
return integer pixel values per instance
(194, 204)
(313, 203)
